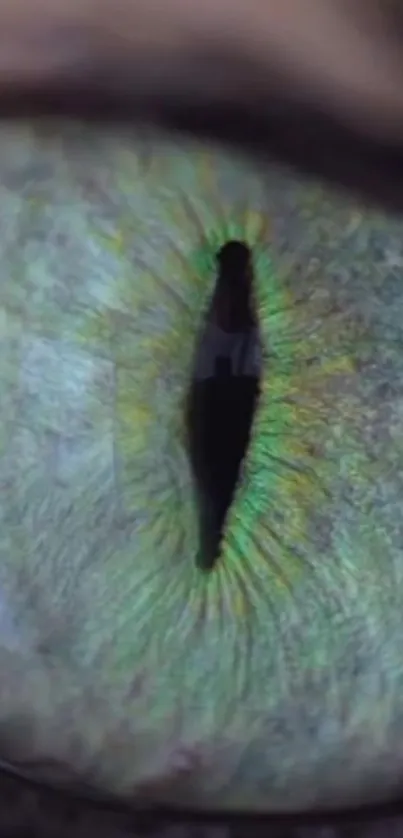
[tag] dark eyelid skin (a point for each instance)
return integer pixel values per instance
(269, 124)
(81, 801)
(216, 86)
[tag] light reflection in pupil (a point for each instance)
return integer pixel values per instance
(223, 395)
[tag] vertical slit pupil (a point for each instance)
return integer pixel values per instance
(223, 395)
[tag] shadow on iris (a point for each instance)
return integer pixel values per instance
(223, 395)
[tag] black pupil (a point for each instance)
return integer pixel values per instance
(223, 395)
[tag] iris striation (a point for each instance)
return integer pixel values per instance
(274, 681)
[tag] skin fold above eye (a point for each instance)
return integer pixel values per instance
(315, 85)
(273, 682)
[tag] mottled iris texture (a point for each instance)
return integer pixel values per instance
(275, 682)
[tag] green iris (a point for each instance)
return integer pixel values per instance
(248, 686)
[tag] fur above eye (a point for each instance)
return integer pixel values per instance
(201, 471)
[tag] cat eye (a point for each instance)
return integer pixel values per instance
(170, 320)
